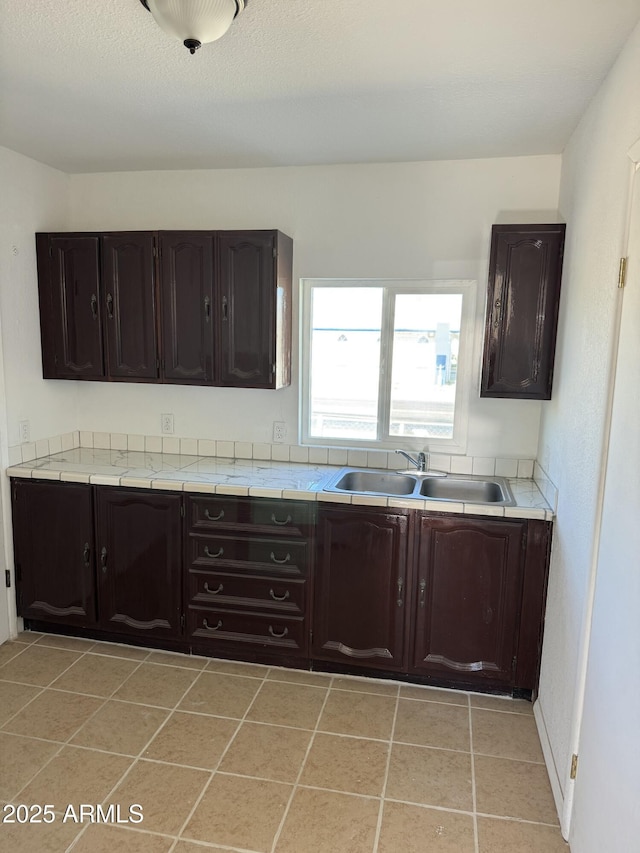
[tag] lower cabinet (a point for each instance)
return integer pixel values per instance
(361, 587)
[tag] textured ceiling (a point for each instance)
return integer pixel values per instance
(97, 86)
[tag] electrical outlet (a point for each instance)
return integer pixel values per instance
(166, 424)
(25, 431)
(279, 432)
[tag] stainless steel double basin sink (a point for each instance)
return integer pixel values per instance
(451, 487)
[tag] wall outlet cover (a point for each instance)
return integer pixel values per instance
(166, 424)
(279, 432)
(25, 431)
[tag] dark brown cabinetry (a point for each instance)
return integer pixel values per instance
(54, 552)
(525, 268)
(139, 550)
(97, 306)
(247, 569)
(362, 585)
(218, 312)
(469, 582)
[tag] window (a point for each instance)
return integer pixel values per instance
(385, 363)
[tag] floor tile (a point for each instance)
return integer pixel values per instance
(13, 697)
(76, 776)
(501, 703)
(104, 838)
(177, 659)
(268, 752)
(506, 735)
(513, 789)
(28, 637)
(73, 644)
(298, 676)
(21, 758)
(121, 727)
(432, 777)
(239, 812)
(166, 793)
(53, 715)
(359, 714)
(119, 651)
(194, 847)
(38, 665)
(193, 739)
(432, 694)
(287, 704)
(507, 836)
(231, 667)
(432, 724)
(416, 829)
(85, 677)
(327, 822)
(40, 837)
(221, 695)
(152, 684)
(9, 650)
(365, 685)
(349, 764)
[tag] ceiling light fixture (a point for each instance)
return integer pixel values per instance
(194, 22)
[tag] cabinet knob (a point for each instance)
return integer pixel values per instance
(400, 600)
(94, 306)
(86, 554)
(103, 559)
(109, 306)
(423, 587)
(278, 636)
(207, 308)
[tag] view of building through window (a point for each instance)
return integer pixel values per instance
(383, 362)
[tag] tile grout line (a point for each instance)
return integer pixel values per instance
(214, 770)
(295, 787)
(476, 841)
(383, 793)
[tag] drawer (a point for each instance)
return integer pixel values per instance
(282, 518)
(250, 554)
(285, 633)
(243, 592)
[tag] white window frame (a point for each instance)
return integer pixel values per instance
(464, 375)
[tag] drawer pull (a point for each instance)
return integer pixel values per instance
(103, 559)
(281, 523)
(274, 559)
(213, 591)
(278, 636)
(206, 625)
(208, 553)
(279, 597)
(400, 600)
(86, 555)
(210, 517)
(423, 586)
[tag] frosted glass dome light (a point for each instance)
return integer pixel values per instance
(194, 22)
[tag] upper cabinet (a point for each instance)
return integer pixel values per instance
(181, 307)
(525, 269)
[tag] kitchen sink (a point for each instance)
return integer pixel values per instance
(451, 487)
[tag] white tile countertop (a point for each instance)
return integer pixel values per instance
(257, 478)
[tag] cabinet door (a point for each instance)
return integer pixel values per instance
(247, 296)
(469, 589)
(128, 294)
(139, 561)
(186, 272)
(525, 268)
(74, 279)
(361, 586)
(53, 542)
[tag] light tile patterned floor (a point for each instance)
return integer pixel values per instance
(230, 756)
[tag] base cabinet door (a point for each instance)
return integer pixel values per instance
(138, 554)
(360, 596)
(53, 543)
(469, 587)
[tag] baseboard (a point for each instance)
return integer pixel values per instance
(547, 752)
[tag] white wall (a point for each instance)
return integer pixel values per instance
(593, 199)
(416, 220)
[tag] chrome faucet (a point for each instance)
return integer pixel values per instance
(421, 462)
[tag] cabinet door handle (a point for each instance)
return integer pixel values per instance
(279, 597)
(103, 559)
(218, 553)
(274, 559)
(210, 517)
(423, 587)
(217, 627)
(400, 600)
(278, 636)
(276, 521)
(213, 591)
(94, 306)
(86, 554)
(207, 308)
(225, 308)
(109, 306)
